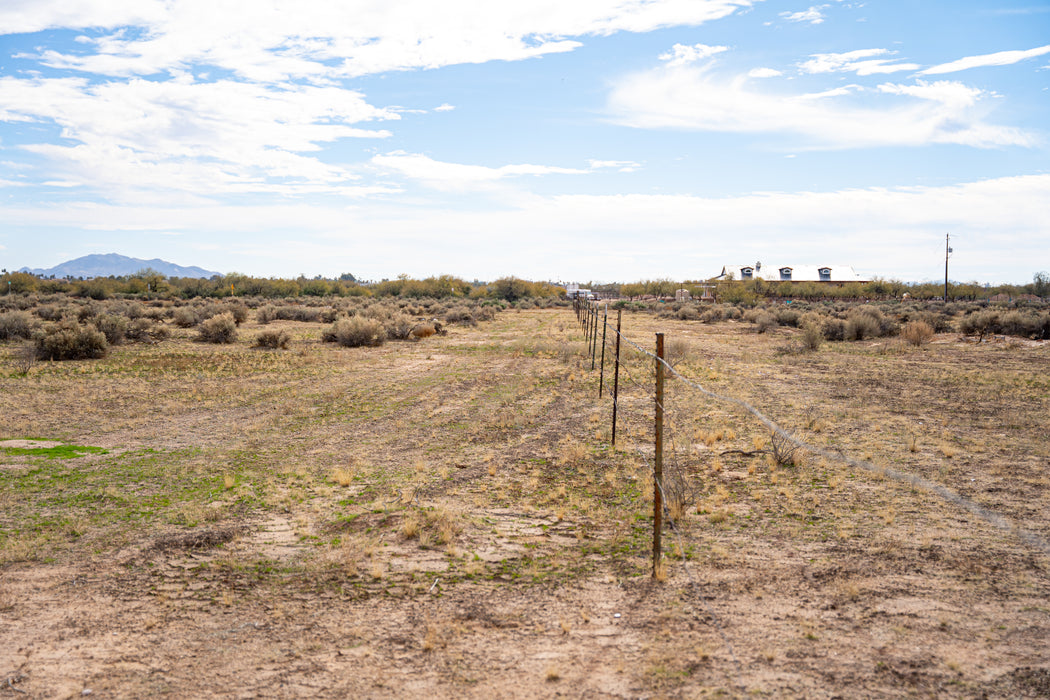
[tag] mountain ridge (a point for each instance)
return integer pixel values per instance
(115, 265)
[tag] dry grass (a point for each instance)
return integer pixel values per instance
(479, 491)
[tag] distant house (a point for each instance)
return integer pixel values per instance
(835, 274)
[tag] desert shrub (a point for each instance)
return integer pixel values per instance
(788, 317)
(1029, 324)
(812, 336)
(51, 312)
(156, 313)
(16, 324)
(1041, 326)
(355, 332)
(833, 329)
(303, 314)
(239, 312)
(70, 342)
(713, 314)
(132, 311)
(113, 327)
(762, 319)
(142, 330)
(265, 314)
(399, 326)
(461, 315)
(218, 329)
(939, 322)
(688, 313)
(1013, 323)
(186, 317)
(916, 333)
(273, 339)
(860, 326)
(868, 322)
(209, 310)
(88, 311)
(975, 323)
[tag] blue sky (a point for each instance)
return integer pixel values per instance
(608, 141)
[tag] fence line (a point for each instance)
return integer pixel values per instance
(672, 487)
(998, 521)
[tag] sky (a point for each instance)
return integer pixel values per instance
(614, 140)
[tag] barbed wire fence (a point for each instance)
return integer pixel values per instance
(667, 448)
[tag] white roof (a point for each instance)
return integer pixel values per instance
(793, 273)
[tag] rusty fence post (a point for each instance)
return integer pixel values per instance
(616, 375)
(658, 467)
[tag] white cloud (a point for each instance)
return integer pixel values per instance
(694, 99)
(193, 137)
(148, 116)
(681, 55)
(813, 15)
(623, 166)
(851, 62)
(25, 16)
(285, 39)
(1002, 58)
(885, 231)
(458, 176)
(444, 108)
(763, 73)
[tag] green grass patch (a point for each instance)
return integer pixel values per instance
(59, 452)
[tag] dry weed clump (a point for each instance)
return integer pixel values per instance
(24, 359)
(356, 331)
(677, 350)
(16, 324)
(274, 340)
(461, 315)
(185, 317)
(114, 327)
(343, 476)
(71, 341)
(142, 330)
(399, 326)
(218, 329)
(785, 452)
(763, 320)
(812, 335)
(917, 333)
(868, 322)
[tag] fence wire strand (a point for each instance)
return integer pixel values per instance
(992, 518)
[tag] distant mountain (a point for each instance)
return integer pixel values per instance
(111, 264)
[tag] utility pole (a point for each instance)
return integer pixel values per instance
(947, 252)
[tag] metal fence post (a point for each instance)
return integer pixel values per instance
(601, 373)
(658, 468)
(616, 375)
(594, 345)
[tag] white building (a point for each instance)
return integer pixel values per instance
(790, 273)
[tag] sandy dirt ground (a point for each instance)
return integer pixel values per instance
(487, 542)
